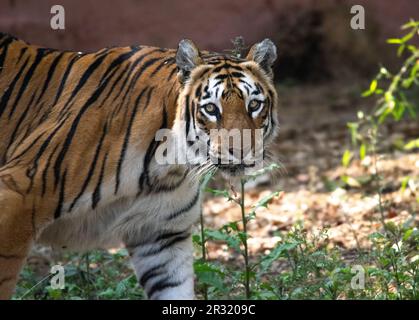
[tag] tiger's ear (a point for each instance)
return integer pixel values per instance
(187, 58)
(263, 53)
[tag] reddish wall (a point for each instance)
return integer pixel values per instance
(314, 38)
(94, 24)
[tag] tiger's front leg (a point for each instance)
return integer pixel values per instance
(162, 254)
(16, 236)
(164, 265)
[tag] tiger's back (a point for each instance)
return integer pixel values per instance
(62, 111)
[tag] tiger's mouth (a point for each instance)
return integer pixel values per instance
(234, 169)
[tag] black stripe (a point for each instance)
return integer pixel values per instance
(96, 194)
(19, 122)
(61, 196)
(49, 75)
(187, 115)
(21, 54)
(203, 73)
(247, 90)
(29, 126)
(169, 188)
(183, 236)
(118, 61)
(188, 207)
(175, 69)
(91, 168)
(207, 93)
(146, 163)
(126, 140)
(28, 147)
(117, 80)
(150, 153)
(140, 71)
(10, 256)
(64, 79)
(227, 66)
(137, 75)
(6, 96)
(222, 77)
(245, 82)
(237, 75)
(198, 91)
(166, 63)
(47, 141)
(45, 171)
(86, 75)
(163, 284)
(147, 102)
(128, 74)
(41, 53)
(193, 114)
(152, 273)
(170, 234)
(5, 46)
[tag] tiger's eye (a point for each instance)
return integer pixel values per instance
(210, 108)
(254, 105)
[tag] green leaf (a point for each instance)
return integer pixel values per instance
(376, 235)
(196, 238)
(411, 24)
(414, 70)
(210, 274)
(232, 242)
(352, 182)
(234, 225)
(394, 41)
(265, 201)
(243, 236)
(346, 158)
(407, 37)
(353, 128)
(407, 234)
(220, 193)
(373, 85)
(412, 144)
(260, 172)
(362, 151)
(404, 183)
(275, 254)
(366, 93)
(400, 50)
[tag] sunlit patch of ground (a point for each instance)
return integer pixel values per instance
(350, 214)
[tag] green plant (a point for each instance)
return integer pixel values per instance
(98, 275)
(393, 250)
(234, 234)
(394, 94)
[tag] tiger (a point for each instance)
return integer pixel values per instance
(78, 165)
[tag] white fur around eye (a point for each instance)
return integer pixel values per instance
(261, 107)
(211, 118)
(214, 98)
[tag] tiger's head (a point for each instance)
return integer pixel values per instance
(227, 107)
